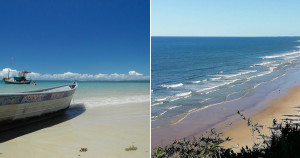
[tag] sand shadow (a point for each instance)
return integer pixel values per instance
(35, 125)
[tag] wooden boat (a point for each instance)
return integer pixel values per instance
(21, 79)
(26, 105)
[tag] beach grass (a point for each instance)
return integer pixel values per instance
(131, 148)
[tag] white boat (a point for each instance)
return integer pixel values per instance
(35, 104)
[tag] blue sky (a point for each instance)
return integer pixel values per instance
(225, 18)
(76, 36)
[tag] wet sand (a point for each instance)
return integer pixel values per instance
(105, 131)
(262, 105)
(286, 106)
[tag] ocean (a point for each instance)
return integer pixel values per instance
(93, 93)
(192, 73)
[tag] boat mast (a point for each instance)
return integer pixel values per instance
(12, 59)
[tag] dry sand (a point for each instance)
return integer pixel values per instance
(105, 132)
(286, 106)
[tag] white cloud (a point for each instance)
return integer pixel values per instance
(4, 72)
(132, 75)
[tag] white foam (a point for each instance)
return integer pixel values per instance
(160, 99)
(157, 103)
(218, 85)
(109, 101)
(249, 78)
(173, 107)
(162, 113)
(174, 99)
(172, 85)
(290, 61)
(170, 108)
(280, 55)
(208, 88)
(214, 79)
(292, 57)
(271, 69)
(210, 91)
(238, 74)
(180, 96)
(275, 65)
(207, 92)
(256, 85)
(204, 100)
(263, 63)
(153, 117)
(184, 94)
(195, 81)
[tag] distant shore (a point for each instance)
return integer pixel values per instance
(275, 99)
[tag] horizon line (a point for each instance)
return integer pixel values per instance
(142, 80)
(224, 36)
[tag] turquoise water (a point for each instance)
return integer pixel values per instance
(194, 72)
(93, 93)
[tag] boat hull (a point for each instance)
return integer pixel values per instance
(34, 104)
(10, 124)
(12, 81)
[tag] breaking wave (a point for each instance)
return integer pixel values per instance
(195, 81)
(238, 74)
(263, 63)
(280, 55)
(110, 101)
(172, 85)
(218, 85)
(184, 94)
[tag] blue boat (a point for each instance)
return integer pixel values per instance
(21, 79)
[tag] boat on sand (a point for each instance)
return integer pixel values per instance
(23, 106)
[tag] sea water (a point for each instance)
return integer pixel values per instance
(93, 94)
(191, 73)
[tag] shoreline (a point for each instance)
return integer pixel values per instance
(223, 117)
(284, 107)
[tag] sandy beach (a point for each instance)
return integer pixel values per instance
(261, 105)
(105, 131)
(285, 107)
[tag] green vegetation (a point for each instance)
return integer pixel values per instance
(283, 142)
(131, 148)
